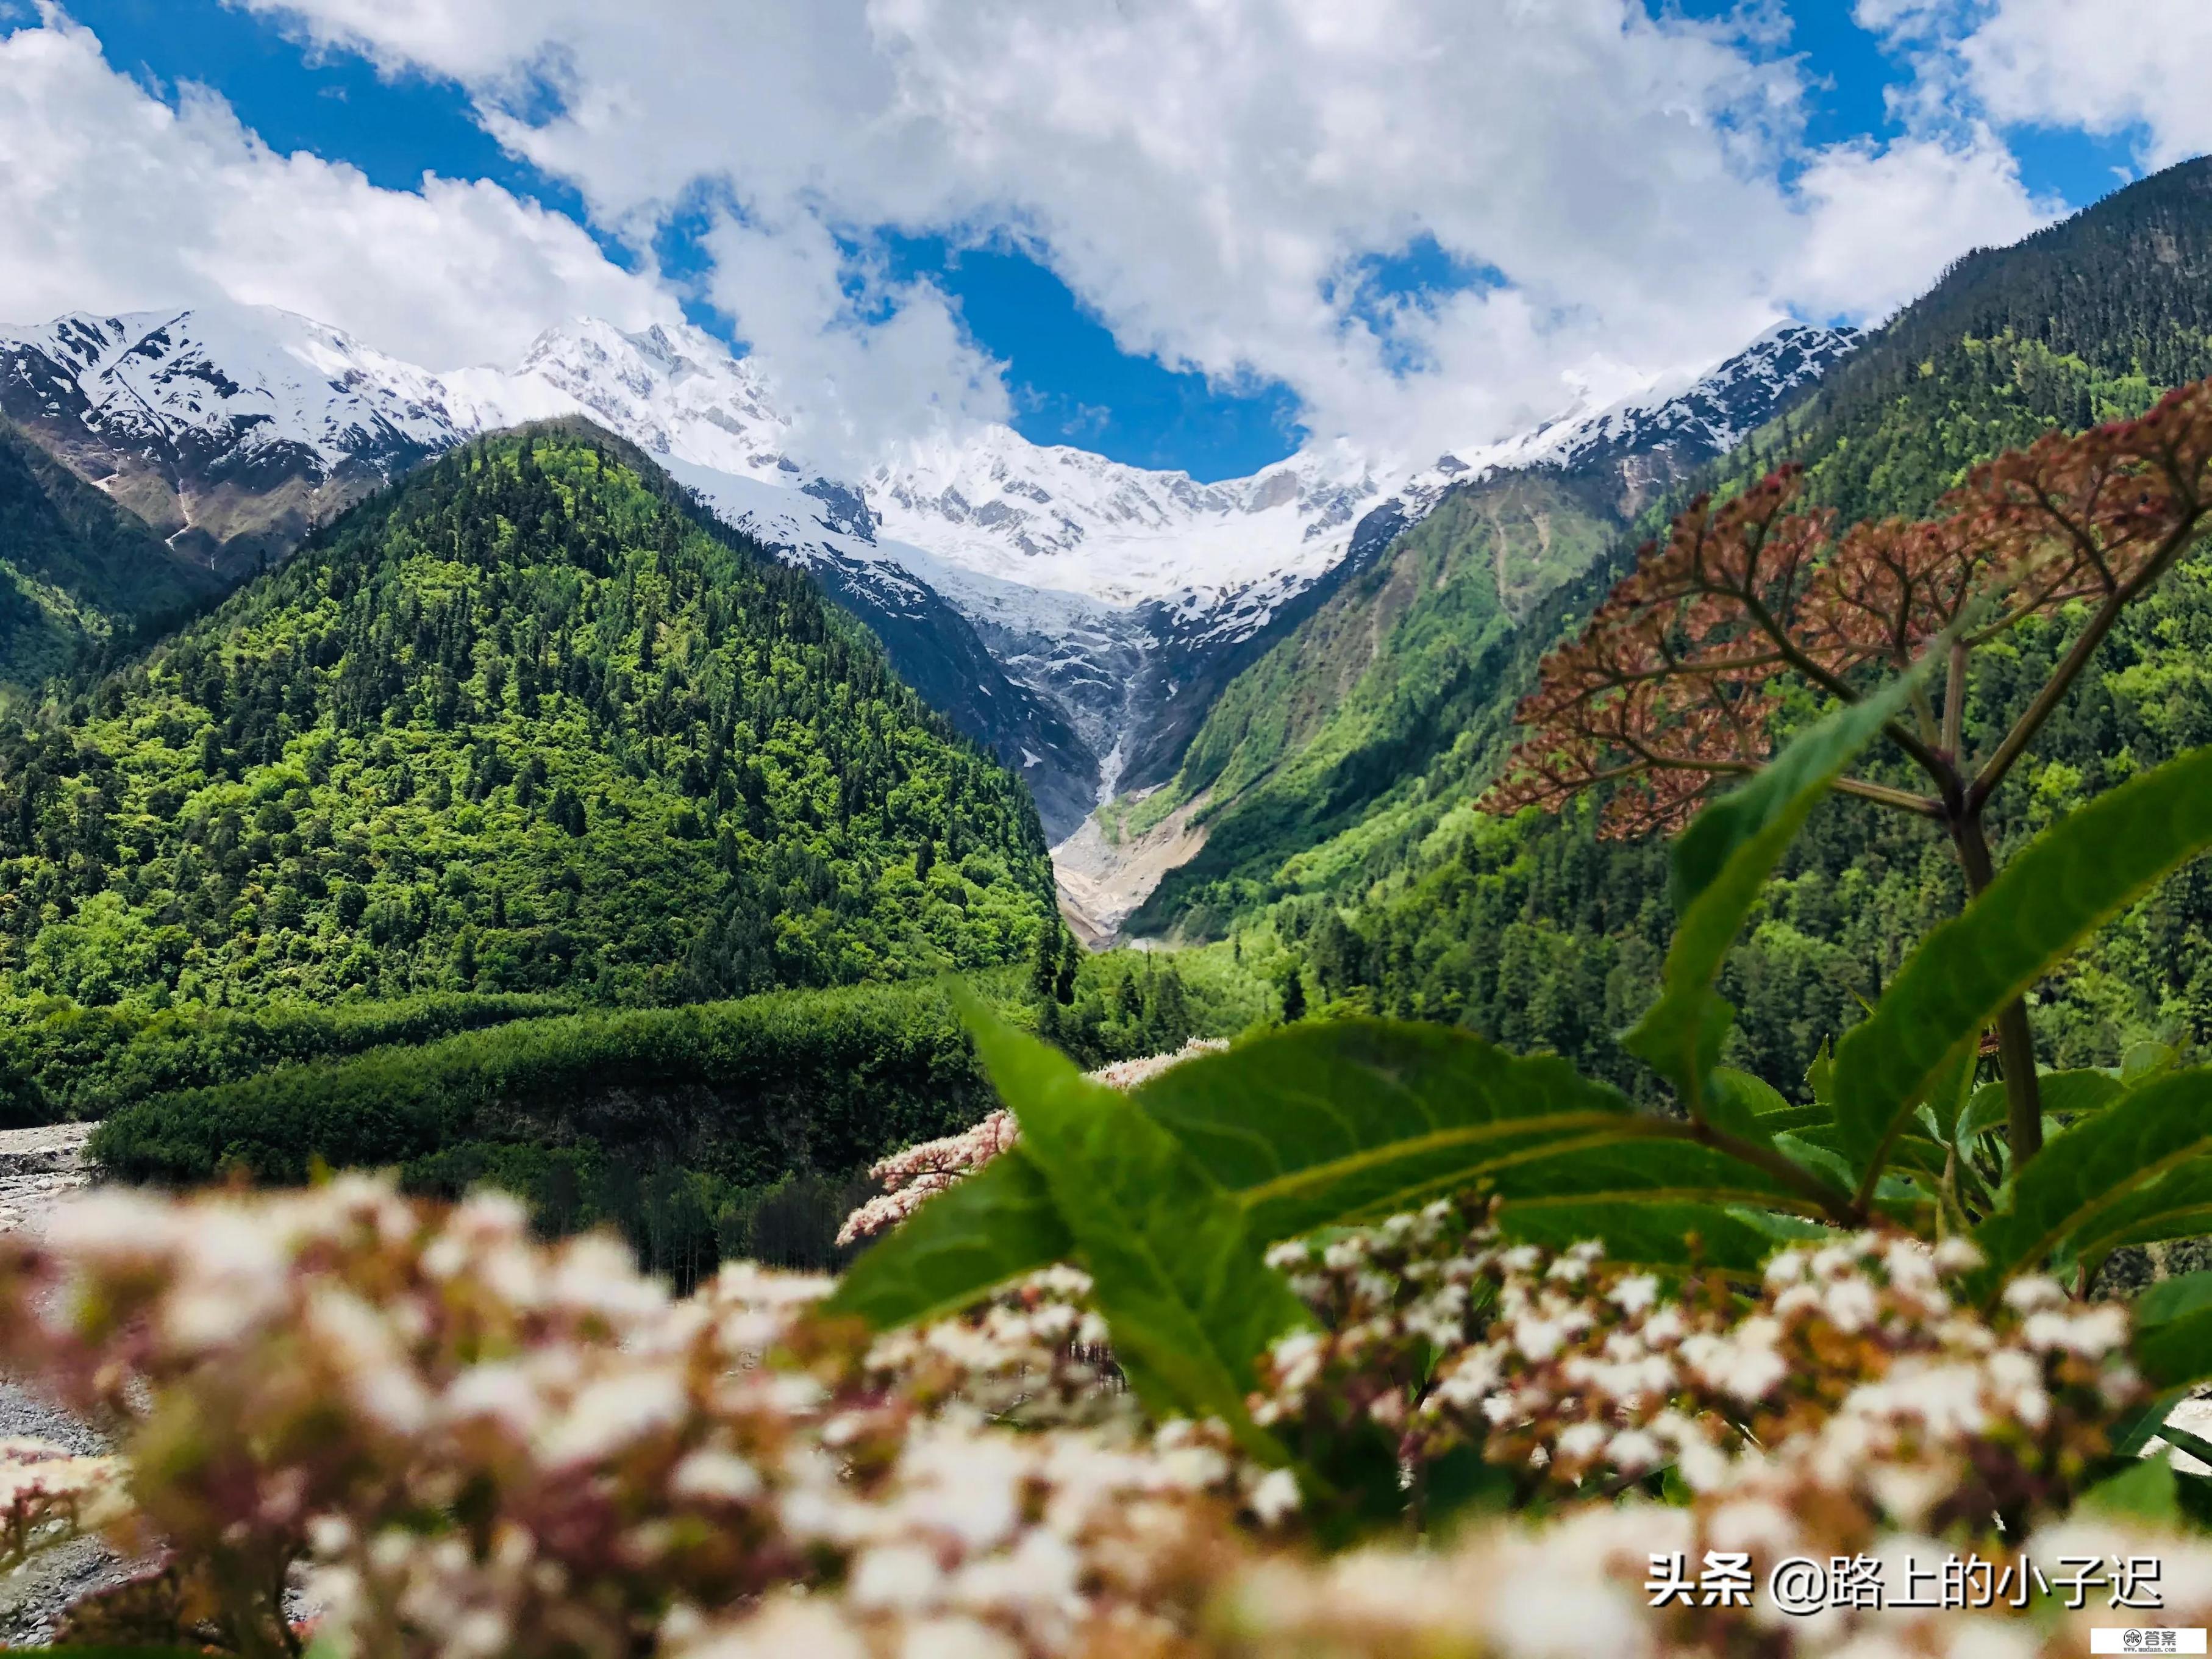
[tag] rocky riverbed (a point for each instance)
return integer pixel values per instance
(39, 1168)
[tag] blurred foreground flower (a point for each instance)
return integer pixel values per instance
(452, 1439)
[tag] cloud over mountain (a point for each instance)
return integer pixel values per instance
(1232, 188)
(113, 199)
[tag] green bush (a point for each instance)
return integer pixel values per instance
(60, 1060)
(746, 1090)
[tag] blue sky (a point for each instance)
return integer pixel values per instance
(1066, 379)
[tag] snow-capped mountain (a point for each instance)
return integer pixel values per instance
(227, 429)
(1076, 614)
(1662, 433)
(1066, 519)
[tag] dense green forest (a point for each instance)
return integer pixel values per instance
(78, 572)
(530, 721)
(701, 1132)
(1537, 934)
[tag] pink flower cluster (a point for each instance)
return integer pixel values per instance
(912, 1175)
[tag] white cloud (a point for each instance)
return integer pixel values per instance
(2131, 70)
(2106, 68)
(857, 379)
(115, 200)
(1883, 222)
(1204, 173)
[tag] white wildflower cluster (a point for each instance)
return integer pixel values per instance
(460, 1442)
(912, 1175)
(1128, 1073)
(470, 1443)
(1853, 1370)
(1032, 1355)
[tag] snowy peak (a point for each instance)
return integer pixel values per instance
(1665, 430)
(674, 391)
(1718, 410)
(1052, 516)
(240, 381)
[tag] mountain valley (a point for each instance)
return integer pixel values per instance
(1077, 615)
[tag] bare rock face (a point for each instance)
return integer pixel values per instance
(1104, 875)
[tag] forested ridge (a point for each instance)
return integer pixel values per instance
(1536, 932)
(76, 570)
(530, 721)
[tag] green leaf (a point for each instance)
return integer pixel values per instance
(1947, 1099)
(2145, 1060)
(1721, 863)
(2178, 1205)
(2147, 1492)
(1744, 1105)
(2137, 1428)
(2173, 1335)
(1627, 1172)
(2137, 1139)
(2065, 1093)
(2172, 1299)
(2085, 869)
(1892, 1196)
(2195, 1445)
(964, 1243)
(1821, 1076)
(1326, 1123)
(2176, 1352)
(1174, 1268)
(1794, 1118)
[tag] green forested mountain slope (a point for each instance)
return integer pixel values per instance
(531, 720)
(1340, 722)
(1537, 934)
(1337, 730)
(75, 567)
